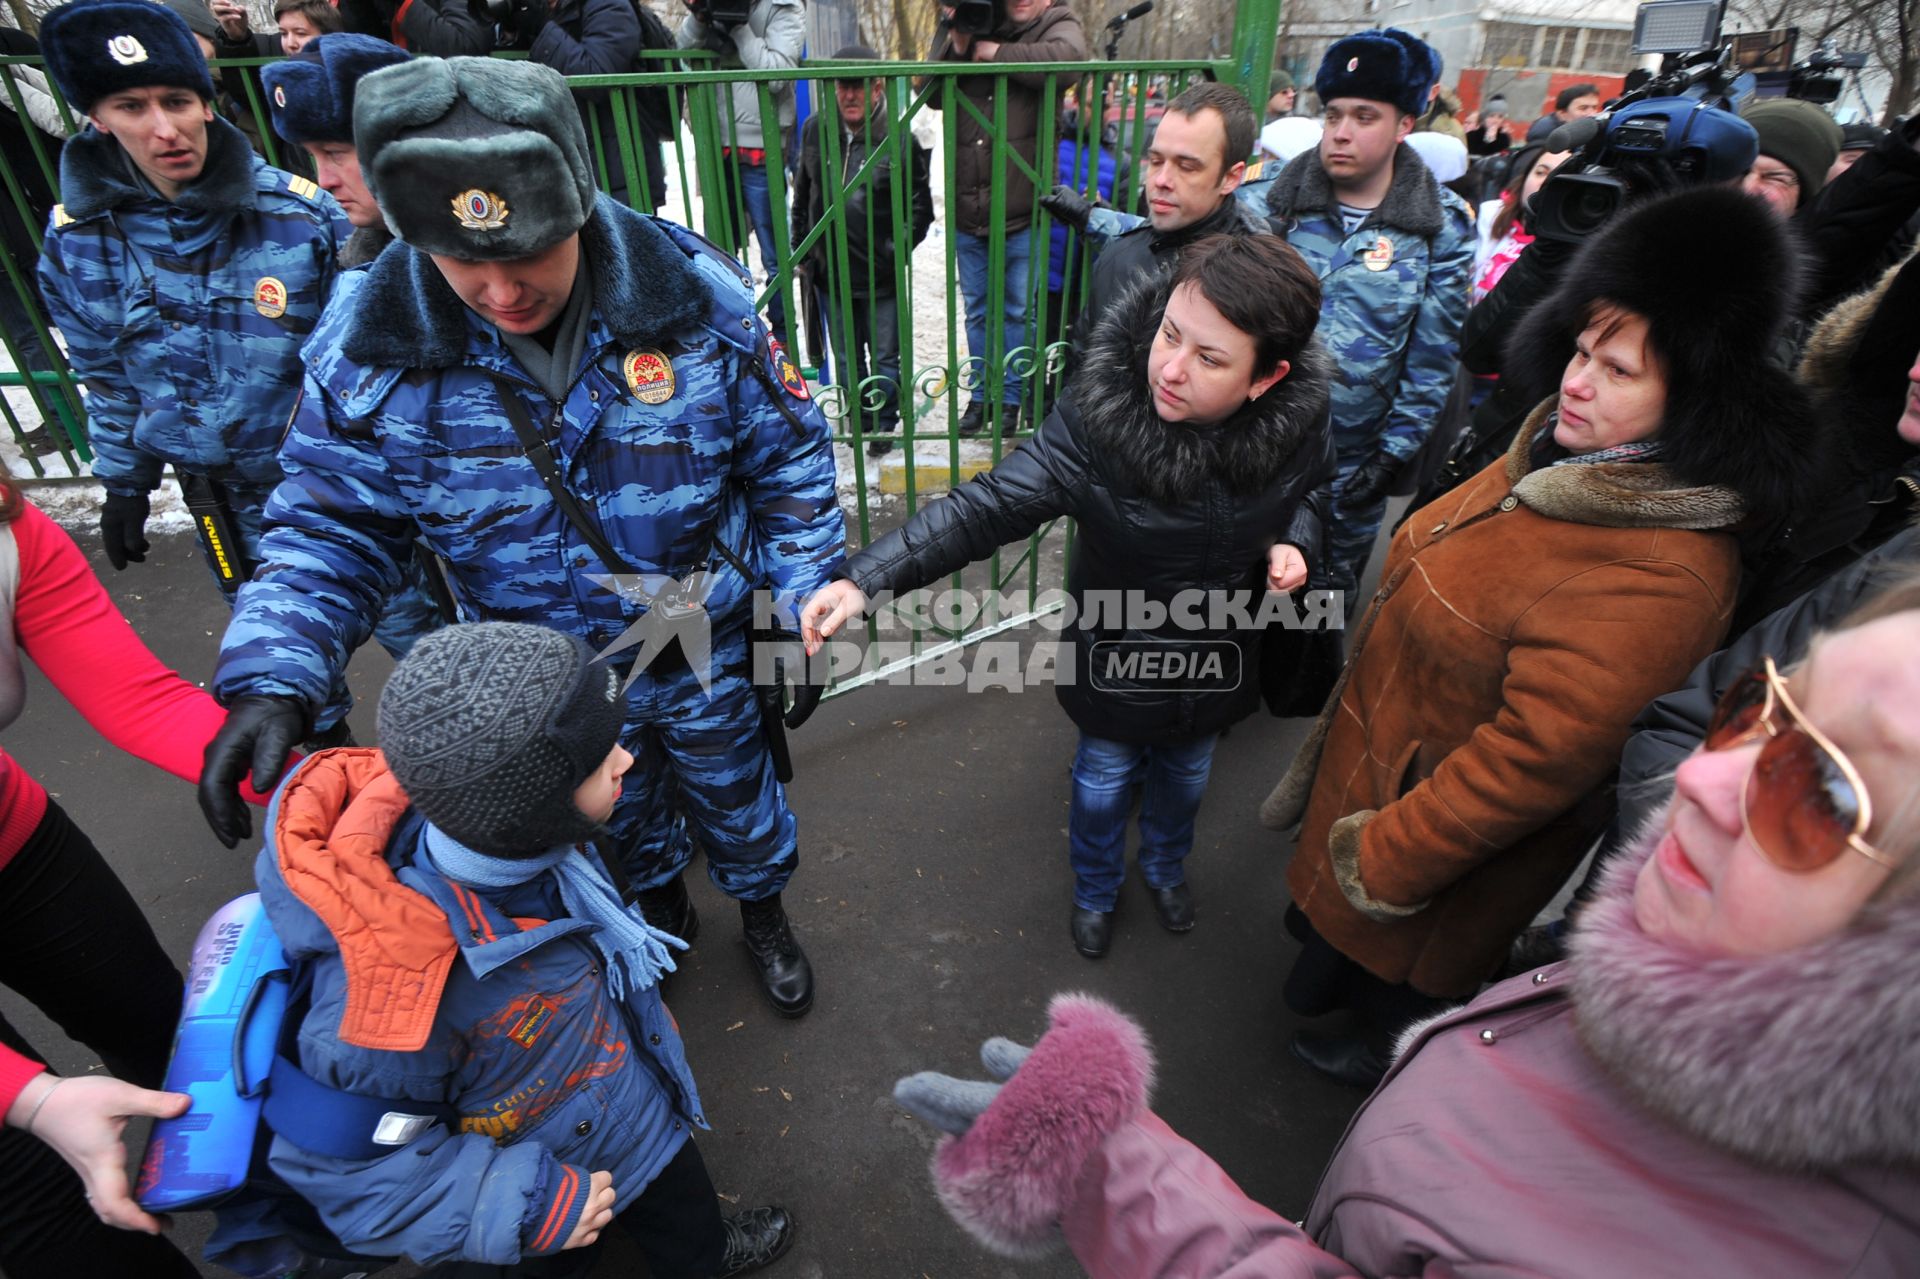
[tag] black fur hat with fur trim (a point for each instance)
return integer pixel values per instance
(97, 47)
(1717, 276)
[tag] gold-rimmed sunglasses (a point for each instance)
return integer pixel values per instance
(1804, 803)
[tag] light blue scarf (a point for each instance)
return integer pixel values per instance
(637, 953)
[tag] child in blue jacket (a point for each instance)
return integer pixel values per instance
(470, 954)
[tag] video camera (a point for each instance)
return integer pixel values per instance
(1678, 128)
(975, 17)
(1816, 78)
(725, 14)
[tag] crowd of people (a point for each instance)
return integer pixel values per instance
(1653, 607)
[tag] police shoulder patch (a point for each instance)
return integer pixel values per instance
(302, 187)
(794, 382)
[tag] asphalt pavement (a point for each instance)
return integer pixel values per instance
(932, 896)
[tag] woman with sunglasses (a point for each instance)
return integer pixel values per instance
(1460, 770)
(1724, 1079)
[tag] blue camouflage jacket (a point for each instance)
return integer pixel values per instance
(1393, 296)
(185, 318)
(401, 431)
(492, 1002)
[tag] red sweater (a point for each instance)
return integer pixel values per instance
(64, 620)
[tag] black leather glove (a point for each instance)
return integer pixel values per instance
(123, 529)
(1369, 481)
(530, 18)
(260, 733)
(1068, 207)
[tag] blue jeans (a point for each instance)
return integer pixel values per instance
(1103, 777)
(759, 202)
(970, 256)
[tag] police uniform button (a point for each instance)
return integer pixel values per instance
(676, 1125)
(1508, 502)
(584, 1127)
(176, 326)
(594, 395)
(654, 1040)
(746, 324)
(699, 1119)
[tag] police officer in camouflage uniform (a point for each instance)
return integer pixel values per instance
(184, 274)
(521, 305)
(1394, 253)
(310, 96)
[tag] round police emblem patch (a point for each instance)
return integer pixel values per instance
(126, 50)
(649, 376)
(1380, 256)
(270, 297)
(479, 210)
(280, 96)
(1353, 64)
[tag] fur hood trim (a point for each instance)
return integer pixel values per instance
(1734, 417)
(1414, 203)
(1855, 366)
(1011, 1177)
(96, 176)
(406, 316)
(1806, 1061)
(1173, 461)
(1614, 494)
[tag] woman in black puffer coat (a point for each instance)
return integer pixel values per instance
(1192, 448)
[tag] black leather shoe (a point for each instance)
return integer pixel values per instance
(1175, 907)
(670, 909)
(785, 973)
(974, 420)
(1092, 931)
(755, 1238)
(1349, 1061)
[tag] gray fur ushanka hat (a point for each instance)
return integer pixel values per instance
(480, 159)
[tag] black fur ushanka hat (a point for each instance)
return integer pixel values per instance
(1717, 276)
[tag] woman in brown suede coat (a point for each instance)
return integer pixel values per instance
(1461, 768)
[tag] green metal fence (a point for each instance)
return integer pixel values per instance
(696, 183)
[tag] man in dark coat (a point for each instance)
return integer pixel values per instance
(1194, 164)
(1028, 31)
(862, 308)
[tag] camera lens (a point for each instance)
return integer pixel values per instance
(1587, 208)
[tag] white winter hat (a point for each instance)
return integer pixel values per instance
(1445, 155)
(1289, 136)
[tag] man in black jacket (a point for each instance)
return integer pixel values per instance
(861, 309)
(1194, 164)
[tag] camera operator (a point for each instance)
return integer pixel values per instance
(1023, 31)
(758, 35)
(1575, 102)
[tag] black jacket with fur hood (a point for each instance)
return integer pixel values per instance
(1163, 508)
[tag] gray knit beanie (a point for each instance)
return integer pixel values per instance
(491, 727)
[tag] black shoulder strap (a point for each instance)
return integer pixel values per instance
(538, 452)
(541, 455)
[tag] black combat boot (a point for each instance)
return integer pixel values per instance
(755, 1238)
(670, 909)
(784, 970)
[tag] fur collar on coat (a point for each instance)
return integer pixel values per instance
(406, 316)
(1614, 494)
(1172, 461)
(1855, 364)
(1805, 1061)
(96, 175)
(1413, 202)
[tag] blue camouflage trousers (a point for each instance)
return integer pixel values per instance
(701, 771)
(410, 614)
(1351, 532)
